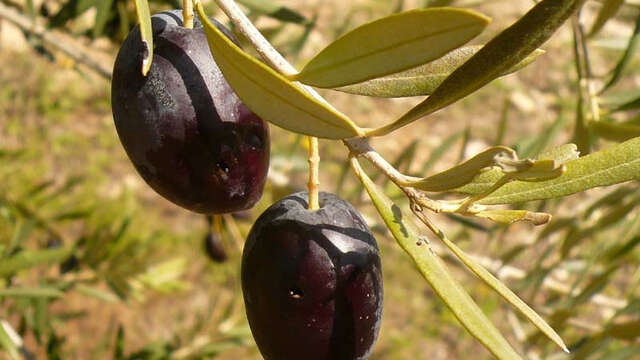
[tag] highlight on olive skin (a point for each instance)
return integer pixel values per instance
(183, 127)
(312, 282)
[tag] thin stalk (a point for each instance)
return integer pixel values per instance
(216, 227)
(187, 13)
(314, 165)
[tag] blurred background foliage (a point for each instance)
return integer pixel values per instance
(95, 265)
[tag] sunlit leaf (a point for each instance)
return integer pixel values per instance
(270, 95)
(503, 52)
(608, 10)
(146, 34)
(461, 174)
(423, 80)
(391, 44)
(614, 165)
(434, 270)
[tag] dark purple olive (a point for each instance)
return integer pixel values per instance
(185, 130)
(312, 281)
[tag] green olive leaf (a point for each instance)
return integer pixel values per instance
(461, 174)
(614, 132)
(503, 52)
(614, 165)
(29, 258)
(44, 291)
(607, 11)
(435, 272)
(424, 79)
(146, 34)
(391, 44)
(270, 95)
(508, 217)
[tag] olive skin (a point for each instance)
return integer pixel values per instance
(312, 281)
(185, 130)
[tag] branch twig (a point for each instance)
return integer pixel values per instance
(54, 40)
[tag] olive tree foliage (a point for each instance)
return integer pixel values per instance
(420, 52)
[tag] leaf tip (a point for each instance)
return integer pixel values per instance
(147, 57)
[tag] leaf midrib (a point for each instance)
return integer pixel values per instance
(385, 49)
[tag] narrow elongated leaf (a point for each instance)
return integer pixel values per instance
(607, 11)
(28, 258)
(102, 16)
(274, 10)
(424, 79)
(626, 57)
(31, 292)
(97, 293)
(146, 34)
(270, 95)
(614, 165)
(461, 174)
(434, 270)
(503, 52)
(615, 132)
(502, 290)
(391, 44)
(7, 340)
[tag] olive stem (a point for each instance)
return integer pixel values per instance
(216, 227)
(314, 165)
(187, 13)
